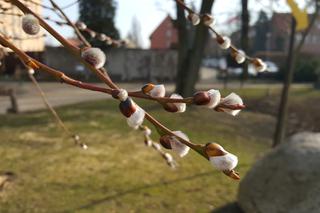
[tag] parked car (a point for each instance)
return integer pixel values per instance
(211, 62)
(272, 69)
(237, 71)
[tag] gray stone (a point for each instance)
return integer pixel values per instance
(286, 180)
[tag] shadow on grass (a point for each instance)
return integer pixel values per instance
(137, 189)
(230, 208)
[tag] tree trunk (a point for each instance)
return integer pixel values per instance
(292, 56)
(190, 61)
(244, 38)
(184, 39)
(283, 109)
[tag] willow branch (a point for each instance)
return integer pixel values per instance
(64, 78)
(73, 49)
(232, 47)
(70, 23)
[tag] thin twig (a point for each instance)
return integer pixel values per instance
(232, 47)
(70, 23)
(73, 49)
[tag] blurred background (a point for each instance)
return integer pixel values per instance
(40, 169)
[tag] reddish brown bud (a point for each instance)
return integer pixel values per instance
(170, 107)
(257, 62)
(165, 141)
(208, 20)
(220, 39)
(147, 88)
(115, 93)
(232, 174)
(259, 65)
(214, 149)
(224, 42)
(194, 18)
(116, 44)
(127, 107)
(201, 98)
(147, 142)
(124, 43)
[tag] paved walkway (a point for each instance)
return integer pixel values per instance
(58, 95)
(62, 94)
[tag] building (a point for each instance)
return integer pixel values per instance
(123, 64)
(165, 36)
(11, 27)
(269, 38)
(280, 32)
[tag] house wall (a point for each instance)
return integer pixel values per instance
(11, 27)
(165, 35)
(122, 64)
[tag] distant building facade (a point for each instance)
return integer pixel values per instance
(165, 36)
(280, 31)
(270, 38)
(123, 64)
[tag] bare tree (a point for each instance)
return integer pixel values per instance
(190, 50)
(293, 54)
(244, 37)
(135, 33)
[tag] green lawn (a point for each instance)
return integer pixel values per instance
(118, 173)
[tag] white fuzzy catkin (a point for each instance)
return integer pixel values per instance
(30, 24)
(261, 66)
(81, 25)
(148, 143)
(147, 132)
(210, 21)
(31, 71)
(123, 94)
(168, 157)
(157, 146)
(240, 57)
(178, 147)
(94, 56)
(232, 99)
(92, 34)
(84, 146)
(158, 91)
(102, 37)
(181, 106)
(194, 18)
(136, 119)
(225, 162)
(215, 98)
(226, 43)
(109, 41)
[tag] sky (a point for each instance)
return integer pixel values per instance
(150, 13)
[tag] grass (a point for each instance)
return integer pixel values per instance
(118, 173)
